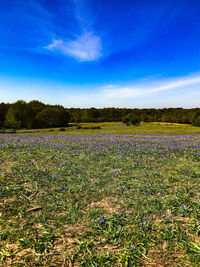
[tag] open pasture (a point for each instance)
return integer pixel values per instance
(120, 128)
(99, 200)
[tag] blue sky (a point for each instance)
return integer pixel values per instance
(87, 53)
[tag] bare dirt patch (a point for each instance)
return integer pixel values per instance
(108, 204)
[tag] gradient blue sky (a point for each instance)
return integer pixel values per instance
(89, 53)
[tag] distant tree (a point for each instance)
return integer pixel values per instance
(135, 120)
(31, 111)
(15, 118)
(11, 120)
(131, 118)
(126, 120)
(3, 110)
(93, 115)
(196, 119)
(53, 116)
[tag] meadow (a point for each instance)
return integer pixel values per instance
(120, 128)
(100, 199)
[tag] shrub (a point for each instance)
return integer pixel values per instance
(131, 119)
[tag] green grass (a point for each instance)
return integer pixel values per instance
(120, 128)
(73, 200)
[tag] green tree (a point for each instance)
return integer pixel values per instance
(196, 119)
(31, 111)
(131, 118)
(3, 110)
(15, 118)
(53, 116)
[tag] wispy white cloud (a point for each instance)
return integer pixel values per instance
(149, 87)
(172, 92)
(86, 47)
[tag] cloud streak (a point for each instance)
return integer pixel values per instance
(86, 47)
(151, 87)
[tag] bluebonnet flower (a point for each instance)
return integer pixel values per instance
(102, 219)
(36, 235)
(184, 207)
(115, 173)
(62, 188)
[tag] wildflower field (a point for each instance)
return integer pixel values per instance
(99, 200)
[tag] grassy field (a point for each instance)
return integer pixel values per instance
(120, 128)
(100, 200)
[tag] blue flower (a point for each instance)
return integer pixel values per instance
(36, 235)
(62, 188)
(115, 173)
(102, 219)
(185, 207)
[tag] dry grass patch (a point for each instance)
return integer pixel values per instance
(107, 204)
(161, 256)
(69, 239)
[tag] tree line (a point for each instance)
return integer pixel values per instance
(36, 114)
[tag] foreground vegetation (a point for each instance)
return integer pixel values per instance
(99, 200)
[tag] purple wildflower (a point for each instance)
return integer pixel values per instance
(144, 223)
(115, 173)
(184, 207)
(36, 235)
(62, 188)
(102, 219)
